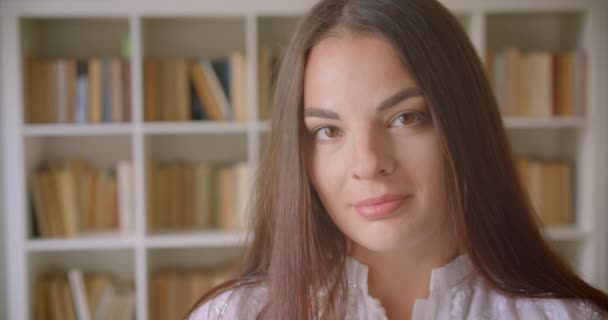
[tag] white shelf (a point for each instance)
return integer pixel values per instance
(193, 29)
(567, 233)
(545, 123)
(263, 126)
(195, 127)
(88, 242)
(103, 129)
(196, 239)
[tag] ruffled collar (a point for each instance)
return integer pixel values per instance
(445, 277)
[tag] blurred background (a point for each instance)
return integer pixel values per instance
(131, 131)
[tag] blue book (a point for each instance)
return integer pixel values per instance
(222, 70)
(82, 92)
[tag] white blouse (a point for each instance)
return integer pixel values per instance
(455, 293)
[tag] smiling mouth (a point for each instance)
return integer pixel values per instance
(381, 207)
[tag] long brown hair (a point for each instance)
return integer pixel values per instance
(296, 249)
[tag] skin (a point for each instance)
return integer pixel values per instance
(371, 133)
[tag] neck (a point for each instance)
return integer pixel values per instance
(397, 278)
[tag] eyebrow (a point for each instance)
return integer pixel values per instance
(386, 104)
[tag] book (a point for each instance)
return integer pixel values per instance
(126, 90)
(107, 93)
(564, 65)
(151, 90)
(238, 81)
(77, 286)
(125, 196)
(203, 195)
(71, 89)
(540, 75)
(117, 90)
(61, 90)
(549, 186)
(82, 92)
(95, 91)
(209, 89)
(182, 88)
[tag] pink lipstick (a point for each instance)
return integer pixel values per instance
(380, 207)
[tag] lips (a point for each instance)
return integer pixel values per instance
(380, 207)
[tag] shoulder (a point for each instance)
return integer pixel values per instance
(244, 302)
(494, 305)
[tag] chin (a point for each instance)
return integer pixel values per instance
(383, 242)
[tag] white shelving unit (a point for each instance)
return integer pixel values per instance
(188, 28)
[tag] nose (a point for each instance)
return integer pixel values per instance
(372, 155)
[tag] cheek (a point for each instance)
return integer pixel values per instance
(327, 176)
(422, 159)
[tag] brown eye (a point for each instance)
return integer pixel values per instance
(326, 133)
(407, 119)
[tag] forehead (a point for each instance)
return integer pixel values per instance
(353, 67)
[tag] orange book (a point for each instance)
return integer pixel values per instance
(523, 107)
(564, 65)
(48, 96)
(168, 91)
(151, 90)
(32, 90)
(512, 95)
(182, 91)
(117, 89)
(95, 91)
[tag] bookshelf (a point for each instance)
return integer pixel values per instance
(196, 29)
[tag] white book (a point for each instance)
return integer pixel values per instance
(77, 288)
(104, 308)
(125, 196)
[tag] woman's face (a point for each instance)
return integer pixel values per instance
(373, 154)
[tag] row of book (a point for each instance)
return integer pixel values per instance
(549, 186)
(538, 84)
(74, 197)
(77, 90)
(175, 291)
(203, 89)
(197, 196)
(75, 295)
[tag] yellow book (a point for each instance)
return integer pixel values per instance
(67, 201)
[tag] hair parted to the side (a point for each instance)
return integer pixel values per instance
(296, 248)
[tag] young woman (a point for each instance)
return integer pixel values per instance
(389, 188)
